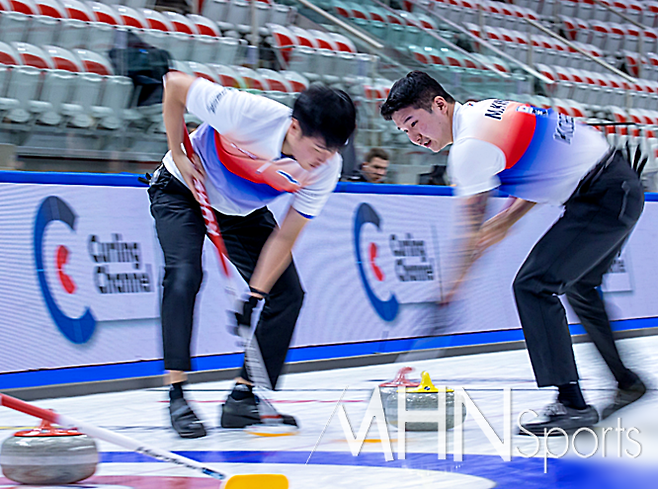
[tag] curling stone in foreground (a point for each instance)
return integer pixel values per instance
(48, 455)
(425, 397)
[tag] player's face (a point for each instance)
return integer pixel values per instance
(431, 130)
(309, 151)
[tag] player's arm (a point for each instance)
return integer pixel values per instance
(174, 101)
(471, 217)
(276, 255)
(495, 229)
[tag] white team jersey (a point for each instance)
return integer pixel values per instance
(240, 143)
(532, 153)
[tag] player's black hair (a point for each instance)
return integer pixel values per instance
(325, 112)
(417, 90)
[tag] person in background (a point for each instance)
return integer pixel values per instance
(374, 169)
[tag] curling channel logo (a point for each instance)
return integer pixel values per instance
(77, 330)
(396, 266)
(86, 278)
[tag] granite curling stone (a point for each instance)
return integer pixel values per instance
(424, 397)
(391, 387)
(48, 456)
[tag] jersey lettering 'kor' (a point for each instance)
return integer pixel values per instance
(529, 152)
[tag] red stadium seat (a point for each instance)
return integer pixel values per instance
(342, 9)
(324, 39)
(298, 82)
(359, 11)
(63, 59)
(252, 79)
(27, 7)
(547, 71)
(650, 43)
(284, 40)
(75, 9)
(31, 55)
(105, 14)
(204, 25)
(570, 26)
(275, 80)
(8, 55)
(376, 13)
(51, 8)
(650, 14)
(156, 20)
(343, 43)
(93, 62)
(227, 76)
(304, 38)
(131, 17)
(181, 23)
(634, 10)
(202, 71)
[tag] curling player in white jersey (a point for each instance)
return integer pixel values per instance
(250, 151)
(539, 157)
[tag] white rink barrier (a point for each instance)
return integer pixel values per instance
(80, 273)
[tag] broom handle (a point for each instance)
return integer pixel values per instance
(106, 435)
(212, 228)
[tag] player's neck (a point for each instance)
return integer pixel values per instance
(450, 114)
(286, 147)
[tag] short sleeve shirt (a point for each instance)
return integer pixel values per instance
(240, 144)
(532, 153)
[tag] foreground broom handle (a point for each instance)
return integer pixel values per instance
(107, 435)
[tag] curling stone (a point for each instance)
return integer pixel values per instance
(49, 456)
(391, 387)
(423, 397)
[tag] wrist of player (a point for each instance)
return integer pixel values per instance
(247, 308)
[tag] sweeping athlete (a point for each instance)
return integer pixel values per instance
(250, 150)
(537, 156)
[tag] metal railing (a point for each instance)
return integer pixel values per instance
(591, 57)
(522, 66)
(343, 25)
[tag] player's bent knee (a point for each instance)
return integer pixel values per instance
(525, 283)
(183, 279)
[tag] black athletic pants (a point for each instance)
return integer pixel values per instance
(181, 232)
(571, 258)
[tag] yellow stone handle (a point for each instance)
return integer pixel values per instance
(426, 385)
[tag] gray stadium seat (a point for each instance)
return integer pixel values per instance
(85, 96)
(43, 30)
(180, 45)
(73, 34)
(217, 10)
(4, 76)
(113, 111)
(159, 39)
(227, 51)
(13, 26)
(57, 89)
(20, 102)
(204, 49)
(304, 61)
(101, 37)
